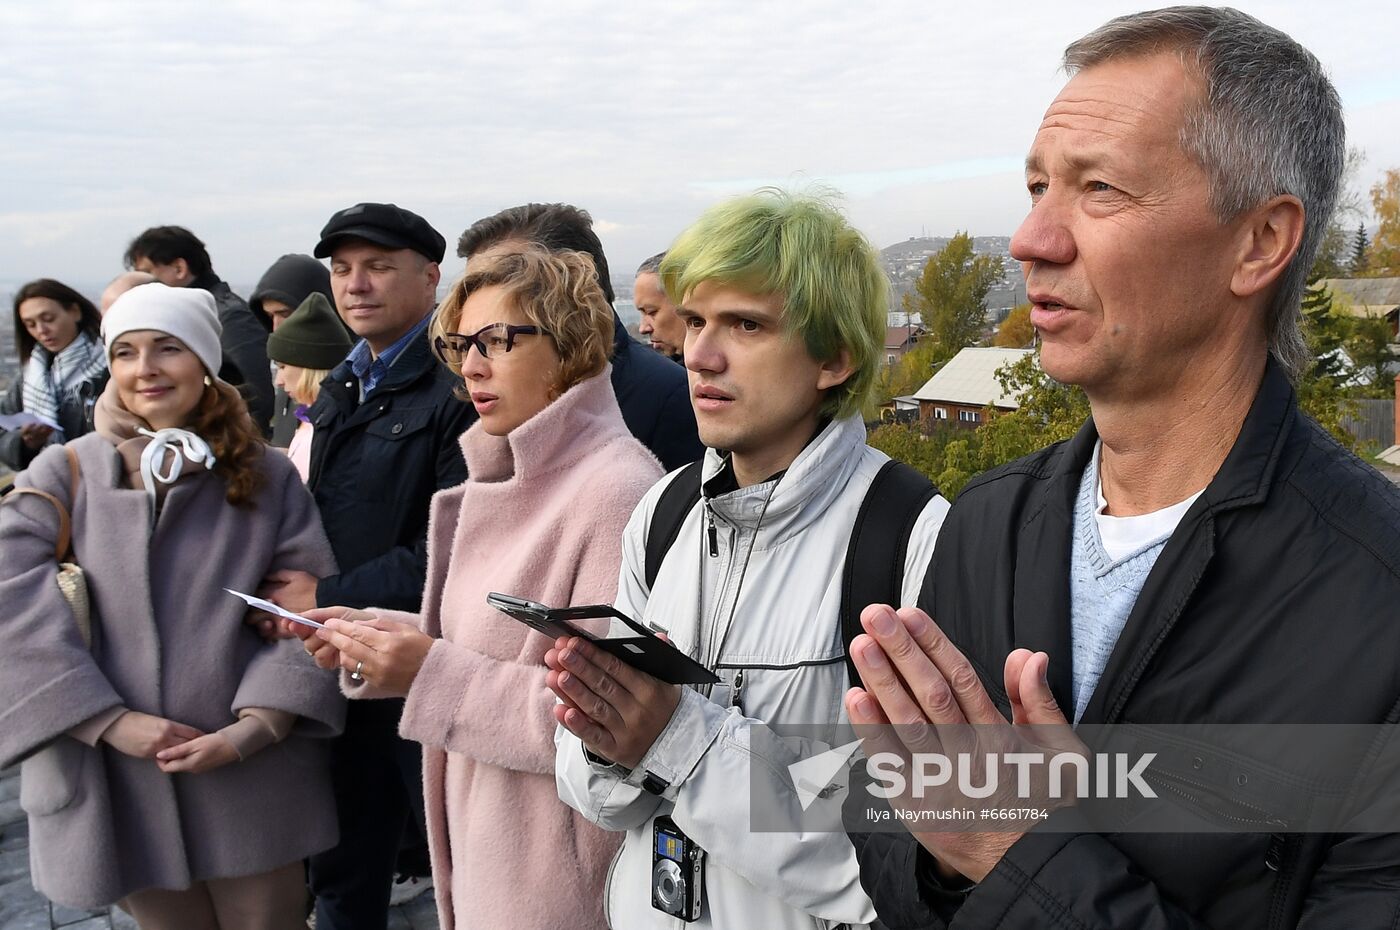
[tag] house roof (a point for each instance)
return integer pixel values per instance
(1367, 296)
(969, 378)
(896, 336)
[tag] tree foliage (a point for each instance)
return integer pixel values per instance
(1335, 256)
(951, 456)
(1321, 390)
(1360, 246)
(1016, 331)
(951, 294)
(1369, 345)
(1383, 258)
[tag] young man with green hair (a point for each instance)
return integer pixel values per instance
(784, 305)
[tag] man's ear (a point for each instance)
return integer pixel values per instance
(1268, 241)
(182, 269)
(835, 370)
(434, 271)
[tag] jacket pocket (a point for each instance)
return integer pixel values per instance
(49, 779)
(396, 451)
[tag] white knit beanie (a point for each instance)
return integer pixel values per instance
(187, 313)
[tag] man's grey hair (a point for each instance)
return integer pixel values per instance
(651, 265)
(1268, 122)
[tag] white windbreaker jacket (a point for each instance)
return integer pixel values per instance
(758, 602)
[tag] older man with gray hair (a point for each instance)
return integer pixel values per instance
(660, 325)
(1201, 552)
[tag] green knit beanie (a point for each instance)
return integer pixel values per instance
(312, 337)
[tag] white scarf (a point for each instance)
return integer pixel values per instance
(51, 380)
(183, 444)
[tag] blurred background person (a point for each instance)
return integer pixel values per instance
(177, 258)
(660, 324)
(304, 347)
(280, 291)
(120, 285)
(553, 476)
(57, 331)
(175, 764)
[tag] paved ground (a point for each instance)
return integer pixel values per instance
(23, 908)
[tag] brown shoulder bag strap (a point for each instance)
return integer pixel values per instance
(62, 549)
(61, 546)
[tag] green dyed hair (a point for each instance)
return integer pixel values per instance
(835, 295)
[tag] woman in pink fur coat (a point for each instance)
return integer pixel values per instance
(554, 476)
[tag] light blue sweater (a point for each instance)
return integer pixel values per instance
(1102, 592)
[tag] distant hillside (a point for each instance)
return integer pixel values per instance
(904, 261)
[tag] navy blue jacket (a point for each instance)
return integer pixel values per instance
(374, 468)
(654, 396)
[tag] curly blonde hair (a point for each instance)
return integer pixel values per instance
(557, 292)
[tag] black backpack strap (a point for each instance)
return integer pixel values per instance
(874, 572)
(671, 508)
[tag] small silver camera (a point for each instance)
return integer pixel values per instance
(677, 871)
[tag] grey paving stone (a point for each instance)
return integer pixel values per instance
(121, 920)
(9, 789)
(95, 923)
(11, 812)
(66, 916)
(14, 836)
(14, 864)
(23, 908)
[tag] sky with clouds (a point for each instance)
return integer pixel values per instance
(251, 122)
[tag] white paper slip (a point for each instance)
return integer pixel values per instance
(22, 419)
(272, 608)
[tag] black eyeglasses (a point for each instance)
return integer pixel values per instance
(491, 341)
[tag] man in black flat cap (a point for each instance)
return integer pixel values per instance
(385, 440)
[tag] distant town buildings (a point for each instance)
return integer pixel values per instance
(904, 261)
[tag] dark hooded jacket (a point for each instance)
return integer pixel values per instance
(291, 279)
(244, 342)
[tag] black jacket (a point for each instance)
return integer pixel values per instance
(1273, 602)
(654, 395)
(374, 468)
(74, 415)
(244, 341)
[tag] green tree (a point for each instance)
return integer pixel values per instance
(1358, 252)
(1049, 412)
(1016, 331)
(907, 443)
(1334, 255)
(951, 294)
(1369, 345)
(909, 373)
(1383, 259)
(1321, 391)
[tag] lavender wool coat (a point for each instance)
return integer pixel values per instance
(541, 517)
(167, 641)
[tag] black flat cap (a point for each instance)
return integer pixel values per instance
(383, 224)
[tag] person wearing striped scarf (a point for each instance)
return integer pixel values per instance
(64, 369)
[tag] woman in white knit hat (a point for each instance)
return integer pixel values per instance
(173, 762)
